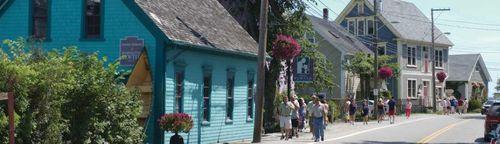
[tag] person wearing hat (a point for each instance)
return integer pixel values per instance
(309, 114)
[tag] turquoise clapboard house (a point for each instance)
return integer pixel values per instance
(186, 56)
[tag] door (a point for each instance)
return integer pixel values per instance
(426, 93)
(426, 59)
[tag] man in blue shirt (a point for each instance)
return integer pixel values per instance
(392, 110)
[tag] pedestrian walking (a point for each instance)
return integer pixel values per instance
(446, 106)
(319, 117)
(392, 110)
(380, 110)
(408, 108)
(453, 104)
(302, 114)
(466, 105)
(310, 105)
(366, 111)
(327, 109)
(460, 106)
(352, 112)
(295, 116)
(285, 112)
(346, 109)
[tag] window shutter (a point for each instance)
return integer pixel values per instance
(419, 52)
(445, 55)
(405, 51)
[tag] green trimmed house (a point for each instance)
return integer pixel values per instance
(186, 56)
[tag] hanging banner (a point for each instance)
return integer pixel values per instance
(130, 49)
(303, 70)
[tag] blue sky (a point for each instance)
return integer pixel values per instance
(474, 26)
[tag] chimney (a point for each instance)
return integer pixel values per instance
(325, 13)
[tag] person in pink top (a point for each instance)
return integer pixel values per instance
(408, 108)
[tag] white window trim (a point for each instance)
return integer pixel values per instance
(407, 88)
(442, 60)
(414, 65)
(354, 31)
(364, 26)
(361, 8)
(384, 46)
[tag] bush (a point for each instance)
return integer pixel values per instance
(474, 104)
(67, 97)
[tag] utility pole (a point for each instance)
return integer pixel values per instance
(434, 59)
(375, 44)
(257, 129)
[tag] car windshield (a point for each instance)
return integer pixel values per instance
(494, 110)
(489, 102)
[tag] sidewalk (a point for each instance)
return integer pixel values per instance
(336, 130)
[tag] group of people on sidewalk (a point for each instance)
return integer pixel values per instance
(452, 105)
(293, 114)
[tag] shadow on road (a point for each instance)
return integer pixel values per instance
(479, 140)
(480, 117)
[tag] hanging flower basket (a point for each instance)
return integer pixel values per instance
(178, 122)
(385, 72)
(441, 76)
(285, 47)
(474, 85)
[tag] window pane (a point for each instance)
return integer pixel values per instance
(40, 19)
(230, 95)
(351, 27)
(179, 91)
(206, 96)
(93, 19)
(370, 26)
(361, 27)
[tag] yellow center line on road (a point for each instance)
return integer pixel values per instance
(439, 132)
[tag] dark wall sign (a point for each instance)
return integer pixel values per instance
(303, 69)
(130, 49)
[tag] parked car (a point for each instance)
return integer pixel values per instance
(371, 103)
(491, 120)
(486, 106)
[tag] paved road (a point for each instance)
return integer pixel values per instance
(421, 128)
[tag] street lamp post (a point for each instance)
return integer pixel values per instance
(434, 58)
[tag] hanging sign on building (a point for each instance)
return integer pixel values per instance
(303, 69)
(130, 50)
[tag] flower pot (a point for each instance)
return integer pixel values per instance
(176, 139)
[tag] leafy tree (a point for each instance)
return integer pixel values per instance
(362, 64)
(66, 97)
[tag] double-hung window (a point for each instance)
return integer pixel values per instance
(370, 26)
(361, 27)
(412, 56)
(93, 19)
(207, 91)
(179, 89)
(250, 95)
(40, 19)
(351, 26)
(412, 88)
(438, 58)
(230, 95)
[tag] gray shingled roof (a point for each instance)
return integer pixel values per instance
(199, 22)
(342, 39)
(462, 66)
(411, 23)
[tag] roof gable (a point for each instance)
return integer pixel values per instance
(203, 23)
(410, 22)
(337, 36)
(461, 67)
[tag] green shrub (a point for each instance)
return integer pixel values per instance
(474, 104)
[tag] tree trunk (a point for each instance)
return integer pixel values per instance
(270, 94)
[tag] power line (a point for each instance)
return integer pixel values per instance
(328, 8)
(449, 20)
(450, 25)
